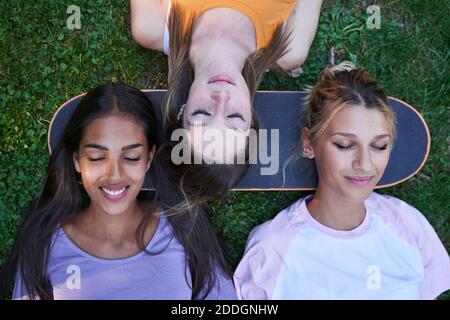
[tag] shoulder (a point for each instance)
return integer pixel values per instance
(410, 224)
(390, 207)
(265, 253)
(281, 229)
(401, 217)
(148, 22)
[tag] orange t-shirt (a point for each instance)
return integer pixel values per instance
(265, 14)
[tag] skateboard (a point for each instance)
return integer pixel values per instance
(281, 113)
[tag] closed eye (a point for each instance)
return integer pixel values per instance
(96, 159)
(200, 111)
(340, 146)
(236, 115)
(133, 159)
(382, 147)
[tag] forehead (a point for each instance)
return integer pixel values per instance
(360, 121)
(114, 130)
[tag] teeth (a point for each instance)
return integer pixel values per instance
(113, 193)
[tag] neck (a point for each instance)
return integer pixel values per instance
(217, 56)
(335, 212)
(115, 228)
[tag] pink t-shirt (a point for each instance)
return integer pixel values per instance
(393, 254)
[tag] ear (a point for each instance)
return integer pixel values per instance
(76, 162)
(151, 155)
(306, 143)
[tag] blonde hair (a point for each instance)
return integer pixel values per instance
(339, 86)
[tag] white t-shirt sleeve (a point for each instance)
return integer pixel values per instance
(256, 275)
(435, 259)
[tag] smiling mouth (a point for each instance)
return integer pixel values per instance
(114, 193)
(222, 79)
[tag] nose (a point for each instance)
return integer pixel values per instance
(113, 170)
(219, 96)
(363, 161)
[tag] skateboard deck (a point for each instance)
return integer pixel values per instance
(284, 112)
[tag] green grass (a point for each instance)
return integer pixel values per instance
(42, 64)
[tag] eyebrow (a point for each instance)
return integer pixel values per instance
(192, 123)
(351, 135)
(97, 146)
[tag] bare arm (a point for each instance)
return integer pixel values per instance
(303, 22)
(148, 18)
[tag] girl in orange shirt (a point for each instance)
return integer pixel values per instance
(218, 52)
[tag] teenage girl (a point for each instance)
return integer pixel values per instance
(91, 233)
(218, 53)
(345, 241)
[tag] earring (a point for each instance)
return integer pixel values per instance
(180, 113)
(305, 154)
(295, 73)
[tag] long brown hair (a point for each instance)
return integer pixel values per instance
(198, 183)
(202, 182)
(61, 199)
(61, 195)
(181, 72)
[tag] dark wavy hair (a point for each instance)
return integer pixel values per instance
(61, 198)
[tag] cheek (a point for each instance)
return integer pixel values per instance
(195, 94)
(242, 98)
(331, 161)
(90, 173)
(335, 167)
(137, 173)
(381, 161)
(248, 113)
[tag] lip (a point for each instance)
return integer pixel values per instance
(360, 181)
(117, 197)
(221, 78)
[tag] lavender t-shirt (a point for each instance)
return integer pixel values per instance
(76, 274)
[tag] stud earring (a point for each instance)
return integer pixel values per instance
(295, 73)
(180, 113)
(305, 154)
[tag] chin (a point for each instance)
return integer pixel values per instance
(357, 196)
(115, 210)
